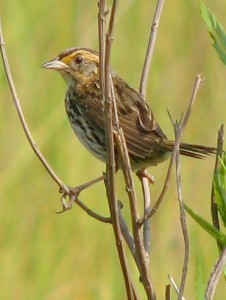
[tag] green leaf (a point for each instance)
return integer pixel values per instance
(220, 188)
(214, 232)
(216, 31)
(199, 280)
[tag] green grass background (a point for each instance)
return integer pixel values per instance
(44, 255)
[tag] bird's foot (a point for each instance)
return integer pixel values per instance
(73, 193)
(143, 173)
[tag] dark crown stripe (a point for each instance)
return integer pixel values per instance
(71, 50)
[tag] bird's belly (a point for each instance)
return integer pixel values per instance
(87, 138)
(86, 133)
(153, 160)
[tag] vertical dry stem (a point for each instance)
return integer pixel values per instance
(135, 218)
(177, 128)
(150, 48)
(142, 89)
(105, 50)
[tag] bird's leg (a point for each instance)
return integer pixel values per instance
(75, 191)
(145, 179)
(143, 173)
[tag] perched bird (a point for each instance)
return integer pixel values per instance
(147, 145)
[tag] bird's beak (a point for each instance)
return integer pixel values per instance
(55, 64)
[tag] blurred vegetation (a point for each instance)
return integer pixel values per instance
(70, 256)
(216, 31)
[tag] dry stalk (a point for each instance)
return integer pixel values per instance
(106, 84)
(67, 191)
(154, 209)
(150, 48)
(215, 276)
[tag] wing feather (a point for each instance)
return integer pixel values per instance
(142, 132)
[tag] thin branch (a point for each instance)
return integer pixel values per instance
(147, 204)
(167, 292)
(177, 129)
(153, 210)
(22, 119)
(135, 218)
(215, 276)
(127, 235)
(72, 193)
(147, 225)
(91, 213)
(75, 191)
(150, 48)
(142, 89)
(174, 285)
(106, 84)
(101, 34)
(214, 209)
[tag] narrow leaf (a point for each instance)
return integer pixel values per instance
(215, 233)
(216, 31)
(220, 188)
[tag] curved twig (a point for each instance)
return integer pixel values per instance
(215, 276)
(22, 119)
(185, 118)
(74, 199)
(63, 187)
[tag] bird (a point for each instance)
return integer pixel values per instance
(147, 144)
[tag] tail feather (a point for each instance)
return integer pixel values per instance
(196, 151)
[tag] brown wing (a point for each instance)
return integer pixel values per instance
(140, 142)
(142, 132)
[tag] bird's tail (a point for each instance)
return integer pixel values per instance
(191, 150)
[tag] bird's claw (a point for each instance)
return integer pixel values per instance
(72, 193)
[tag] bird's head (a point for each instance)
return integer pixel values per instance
(76, 65)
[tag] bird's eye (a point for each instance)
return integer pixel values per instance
(78, 59)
